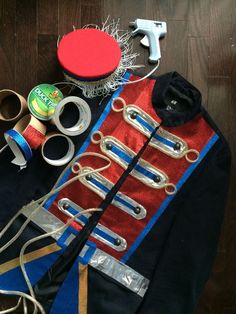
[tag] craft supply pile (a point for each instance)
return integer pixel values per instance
(117, 229)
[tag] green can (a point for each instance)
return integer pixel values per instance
(42, 101)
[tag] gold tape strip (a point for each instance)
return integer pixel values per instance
(83, 289)
(8, 102)
(29, 257)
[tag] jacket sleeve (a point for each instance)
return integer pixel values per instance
(187, 258)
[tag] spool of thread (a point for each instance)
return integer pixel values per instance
(88, 54)
(42, 101)
(72, 116)
(57, 149)
(12, 105)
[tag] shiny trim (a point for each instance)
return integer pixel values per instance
(119, 243)
(162, 140)
(101, 186)
(120, 272)
(123, 155)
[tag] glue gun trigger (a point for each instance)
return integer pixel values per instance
(144, 41)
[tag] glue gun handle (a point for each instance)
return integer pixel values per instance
(154, 46)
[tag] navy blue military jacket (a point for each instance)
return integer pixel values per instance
(151, 248)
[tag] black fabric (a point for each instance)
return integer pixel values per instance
(175, 100)
(178, 252)
(47, 288)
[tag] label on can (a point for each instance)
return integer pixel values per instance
(43, 99)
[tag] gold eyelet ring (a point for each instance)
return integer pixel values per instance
(73, 168)
(170, 189)
(98, 133)
(192, 151)
(118, 109)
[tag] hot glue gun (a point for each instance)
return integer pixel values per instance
(153, 31)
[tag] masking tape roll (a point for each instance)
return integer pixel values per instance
(83, 121)
(32, 130)
(12, 105)
(57, 149)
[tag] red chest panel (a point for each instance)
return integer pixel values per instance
(195, 133)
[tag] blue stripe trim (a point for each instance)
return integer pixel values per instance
(88, 139)
(96, 230)
(21, 142)
(156, 136)
(128, 160)
(106, 190)
(168, 199)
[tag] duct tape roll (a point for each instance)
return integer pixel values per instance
(19, 147)
(57, 149)
(72, 116)
(42, 101)
(12, 105)
(32, 130)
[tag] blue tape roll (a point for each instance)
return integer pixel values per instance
(21, 142)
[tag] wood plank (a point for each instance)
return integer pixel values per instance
(220, 34)
(91, 12)
(47, 16)
(198, 52)
(49, 70)
(26, 46)
(199, 23)
(176, 55)
(7, 44)
(69, 15)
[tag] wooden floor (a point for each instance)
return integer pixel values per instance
(200, 45)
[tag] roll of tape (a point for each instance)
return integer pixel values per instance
(19, 147)
(82, 122)
(32, 130)
(12, 105)
(57, 149)
(42, 101)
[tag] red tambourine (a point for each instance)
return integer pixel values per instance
(89, 54)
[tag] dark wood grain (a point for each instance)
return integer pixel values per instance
(200, 44)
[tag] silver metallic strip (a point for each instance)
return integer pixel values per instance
(161, 178)
(119, 244)
(131, 111)
(138, 211)
(44, 219)
(120, 272)
(100, 260)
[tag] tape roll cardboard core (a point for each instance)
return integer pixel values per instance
(12, 105)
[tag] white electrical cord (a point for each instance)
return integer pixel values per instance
(39, 203)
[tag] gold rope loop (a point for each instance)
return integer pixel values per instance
(118, 109)
(76, 168)
(192, 152)
(96, 133)
(170, 188)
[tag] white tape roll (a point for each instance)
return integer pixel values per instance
(63, 154)
(83, 120)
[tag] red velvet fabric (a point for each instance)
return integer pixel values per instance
(33, 137)
(196, 133)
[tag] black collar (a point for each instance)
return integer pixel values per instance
(175, 100)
